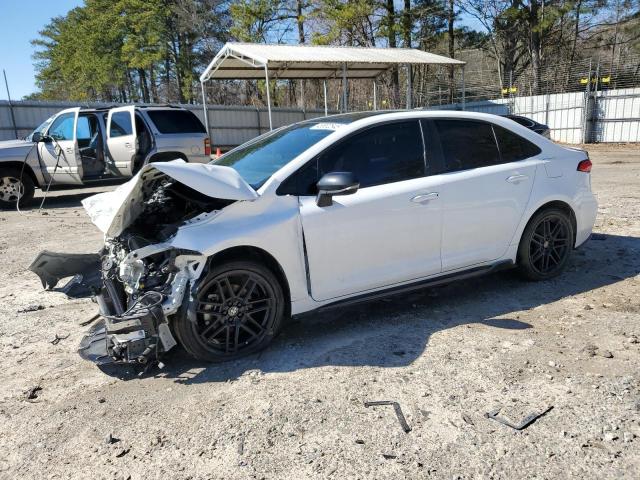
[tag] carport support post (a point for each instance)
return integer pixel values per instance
(375, 95)
(206, 113)
(266, 77)
(464, 88)
(409, 87)
(324, 86)
(344, 88)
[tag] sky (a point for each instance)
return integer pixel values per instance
(20, 21)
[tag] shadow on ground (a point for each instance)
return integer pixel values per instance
(395, 331)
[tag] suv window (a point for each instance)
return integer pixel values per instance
(384, 154)
(62, 127)
(176, 121)
(120, 125)
(513, 147)
(467, 144)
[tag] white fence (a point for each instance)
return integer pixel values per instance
(578, 117)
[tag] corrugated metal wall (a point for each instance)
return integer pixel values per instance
(229, 126)
(605, 116)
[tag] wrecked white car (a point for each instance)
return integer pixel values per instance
(318, 214)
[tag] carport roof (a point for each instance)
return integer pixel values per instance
(248, 61)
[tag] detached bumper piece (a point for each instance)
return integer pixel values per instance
(51, 267)
(138, 335)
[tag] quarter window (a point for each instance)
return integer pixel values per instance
(383, 154)
(62, 127)
(120, 125)
(513, 147)
(467, 144)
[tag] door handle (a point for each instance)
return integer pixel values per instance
(425, 197)
(128, 145)
(517, 178)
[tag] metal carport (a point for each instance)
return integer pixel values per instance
(251, 61)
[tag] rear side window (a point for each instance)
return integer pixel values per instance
(383, 154)
(176, 121)
(120, 125)
(467, 144)
(513, 147)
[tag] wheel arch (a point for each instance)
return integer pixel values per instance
(559, 204)
(167, 156)
(27, 170)
(244, 252)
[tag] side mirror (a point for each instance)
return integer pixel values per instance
(335, 183)
(36, 137)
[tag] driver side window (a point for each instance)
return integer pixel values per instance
(383, 154)
(62, 127)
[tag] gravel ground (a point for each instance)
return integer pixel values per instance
(447, 355)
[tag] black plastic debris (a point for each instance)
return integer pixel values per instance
(32, 393)
(526, 421)
(396, 406)
(58, 338)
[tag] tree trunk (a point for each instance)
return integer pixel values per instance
(450, 21)
(535, 46)
(406, 23)
(143, 85)
(391, 36)
(302, 40)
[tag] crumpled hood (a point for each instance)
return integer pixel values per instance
(114, 211)
(11, 148)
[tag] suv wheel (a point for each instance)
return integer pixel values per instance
(546, 245)
(15, 186)
(237, 310)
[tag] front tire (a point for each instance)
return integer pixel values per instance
(546, 245)
(238, 309)
(15, 186)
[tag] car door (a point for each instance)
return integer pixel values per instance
(122, 138)
(387, 232)
(484, 192)
(59, 152)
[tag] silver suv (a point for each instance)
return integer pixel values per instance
(77, 146)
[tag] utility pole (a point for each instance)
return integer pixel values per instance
(13, 118)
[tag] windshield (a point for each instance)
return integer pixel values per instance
(43, 126)
(256, 161)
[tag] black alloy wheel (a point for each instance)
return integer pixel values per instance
(237, 310)
(546, 245)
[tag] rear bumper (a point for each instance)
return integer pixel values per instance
(586, 212)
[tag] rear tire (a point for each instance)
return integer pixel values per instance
(15, 185)
(237, 310)
(546, 245)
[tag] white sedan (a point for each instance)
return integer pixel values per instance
(323, 213)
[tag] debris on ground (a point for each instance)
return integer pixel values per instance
(526, 421)
(32, 393)
(32, 308)
(396, 406)
(56, 340)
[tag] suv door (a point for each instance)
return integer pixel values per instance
(388, 232)
(60, 155)
(122, 138)
(485, 190)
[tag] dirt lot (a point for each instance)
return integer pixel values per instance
(447, 355)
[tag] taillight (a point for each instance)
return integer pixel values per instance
(207, 146)
(585, 166)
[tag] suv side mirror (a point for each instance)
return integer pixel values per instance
(335, 183)
(38, 137)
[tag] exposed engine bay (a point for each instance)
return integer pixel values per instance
(143, 281)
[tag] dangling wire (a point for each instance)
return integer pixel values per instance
(46, 192)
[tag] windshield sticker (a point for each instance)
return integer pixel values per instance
(327, 126)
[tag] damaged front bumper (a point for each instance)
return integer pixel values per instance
(136, 320)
